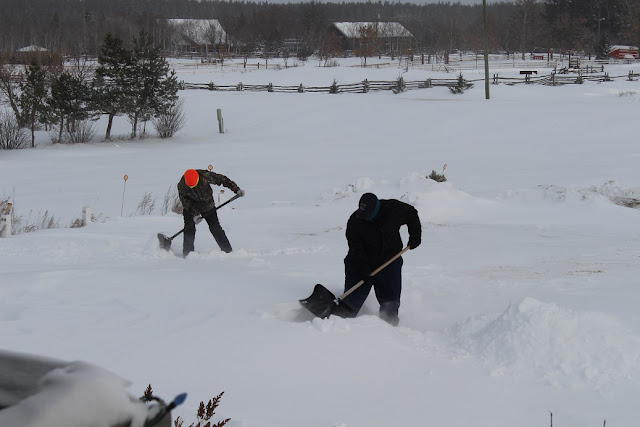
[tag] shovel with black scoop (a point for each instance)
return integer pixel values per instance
(165, 242)
(322, 300)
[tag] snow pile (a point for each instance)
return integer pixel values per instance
(618, 194)
(77, 395)
(439, 202)
(567, 348)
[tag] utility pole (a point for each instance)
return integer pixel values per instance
(486, 51)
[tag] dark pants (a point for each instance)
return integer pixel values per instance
(214, 226)
(387, 285)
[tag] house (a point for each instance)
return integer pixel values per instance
(623, 52)
(40, 54)
(393, 35)
(198, 36)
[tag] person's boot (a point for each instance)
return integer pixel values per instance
(389, 313)
(221, 239)
(390, 319)
(342, 310)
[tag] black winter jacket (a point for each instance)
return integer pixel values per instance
(372, 243)
(199, 199)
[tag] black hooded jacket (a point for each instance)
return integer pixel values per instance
(372, 243)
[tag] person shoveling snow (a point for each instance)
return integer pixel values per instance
(373, 235)
(196, 195)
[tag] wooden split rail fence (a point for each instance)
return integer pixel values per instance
(555, 79)
(361, 87)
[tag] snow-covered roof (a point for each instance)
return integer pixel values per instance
(200, 31)
(385, 29)
(621, 47)
(33, 48)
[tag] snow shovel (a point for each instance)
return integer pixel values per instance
(165, 242)
(322, 300)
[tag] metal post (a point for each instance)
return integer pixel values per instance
(220, 121)
(124, 188)
(486, 50)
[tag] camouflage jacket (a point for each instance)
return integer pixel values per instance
(199, 199)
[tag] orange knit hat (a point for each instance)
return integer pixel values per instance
(191, 178)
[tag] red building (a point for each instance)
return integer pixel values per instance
(624, 52)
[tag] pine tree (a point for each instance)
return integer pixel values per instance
(153, 89)
(33, 91)
(112, 80)
(68, 102)
(602, 48)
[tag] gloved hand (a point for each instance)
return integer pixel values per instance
(413, 243)
(197, 219)
(240, 193)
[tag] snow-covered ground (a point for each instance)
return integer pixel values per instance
(521, 301)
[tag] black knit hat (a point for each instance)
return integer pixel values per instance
(368, 206)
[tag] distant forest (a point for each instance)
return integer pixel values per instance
(78, 27)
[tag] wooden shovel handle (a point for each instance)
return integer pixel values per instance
(216, 208)
(373, 273)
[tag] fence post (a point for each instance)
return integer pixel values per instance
(220, 121)
(86, 215)
(221, 197)
(5, 226)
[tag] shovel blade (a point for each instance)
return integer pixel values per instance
(320, 302)
(165, 242)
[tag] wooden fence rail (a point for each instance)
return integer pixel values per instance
(556, 79)
(553, 79)
(361, 87)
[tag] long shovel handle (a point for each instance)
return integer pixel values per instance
(229, 201)
(217, 207)
(373, 273)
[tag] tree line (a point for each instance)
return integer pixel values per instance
(77, 27)
(136, 82)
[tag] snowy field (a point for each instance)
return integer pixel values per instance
(522, 300)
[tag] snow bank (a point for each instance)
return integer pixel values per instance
(76, 395)
(565, 347)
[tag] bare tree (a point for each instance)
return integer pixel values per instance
(331, 48)
(526, 24)
(170, 121)
(368, 42)
(632, 21)
(213, 34)
(9, 90)
(568, 33)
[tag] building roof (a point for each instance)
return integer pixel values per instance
(199, 31)
(620, 47)
(33, 48)
(385, 29)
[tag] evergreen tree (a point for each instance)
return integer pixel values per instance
(68, 102)
(112, 80)
(602, 48)
(33, 92)
(153, 89)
